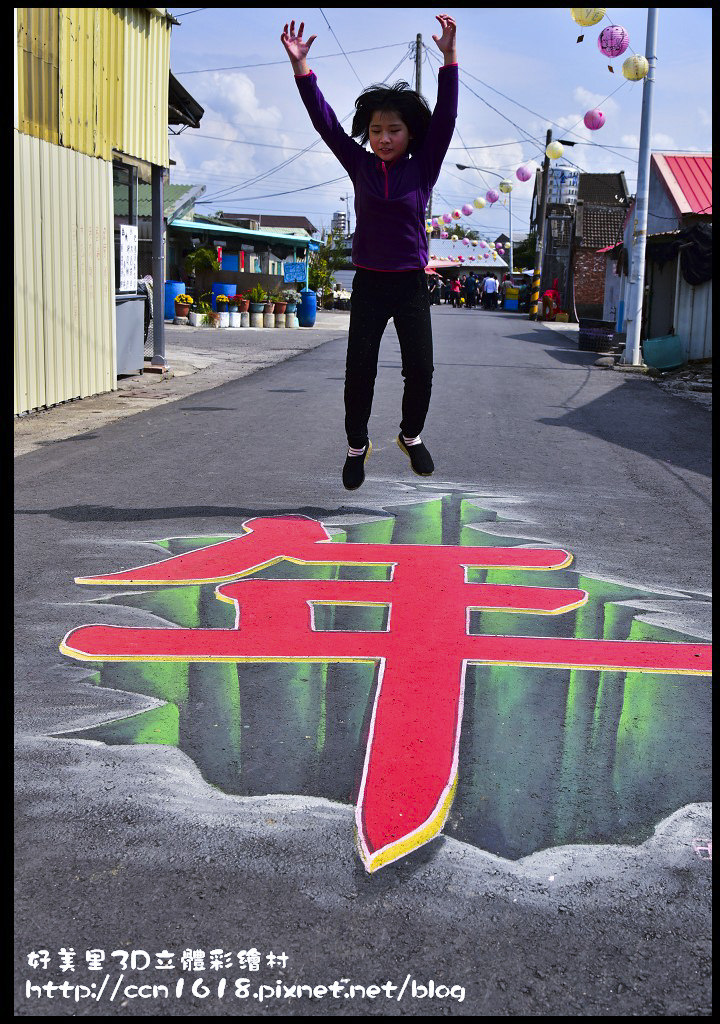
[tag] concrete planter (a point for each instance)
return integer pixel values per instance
(235, 319)
(244, 318)
(196, 319)
(280, 319)
(256, 319)
(224, 320)
(268, 320)
(291, 320)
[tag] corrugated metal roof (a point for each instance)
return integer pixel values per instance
(694, 176)
(445, 248)
(687, 180)
(223, 229)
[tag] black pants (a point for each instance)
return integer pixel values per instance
(376, 297)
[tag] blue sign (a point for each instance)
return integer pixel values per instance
(295, 272)
(313, 246)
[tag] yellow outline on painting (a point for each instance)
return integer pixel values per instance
(423, 834)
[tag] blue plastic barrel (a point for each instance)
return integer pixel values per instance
(307, 308)
(666, 353)
(221, 289)
(172, 288)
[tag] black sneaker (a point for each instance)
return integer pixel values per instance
(420, 458)
(353, 472)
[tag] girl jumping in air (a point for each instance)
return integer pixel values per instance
(390, 248)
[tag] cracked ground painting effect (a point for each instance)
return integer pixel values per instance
(557, 749)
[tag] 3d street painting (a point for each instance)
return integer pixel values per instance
(414, 667)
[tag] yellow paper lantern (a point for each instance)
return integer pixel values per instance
(478, 203)
(454, 238)
(588, 15)
(505, 186)
(554, 150)
(635, 68)
(429, 228)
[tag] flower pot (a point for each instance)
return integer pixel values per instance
(196, 319)
(268, 307)
(257, 307)
(182, 308)
(291, 307)
(244, 306)
(232, 308)
(280, 307)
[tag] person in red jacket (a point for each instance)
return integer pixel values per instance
(392, 186)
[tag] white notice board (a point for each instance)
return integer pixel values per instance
(128, 257)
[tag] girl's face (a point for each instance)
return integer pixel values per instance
(389, 135)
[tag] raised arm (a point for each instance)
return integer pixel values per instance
(442, 122)
(348, 152)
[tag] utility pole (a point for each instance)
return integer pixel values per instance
(512, 269)
(639, 238)
(535, 291)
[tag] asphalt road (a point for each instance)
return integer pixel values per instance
(123, 844)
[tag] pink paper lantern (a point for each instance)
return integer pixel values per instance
(467, 209)
(492, 195)
(471, 258)
(613, 41)
(443, 234)
(483, 245)
(466, 241)
(447, 218)
(594, 119)
(435, 222)
(524, 172)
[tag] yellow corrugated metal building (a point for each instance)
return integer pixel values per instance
(91, 87)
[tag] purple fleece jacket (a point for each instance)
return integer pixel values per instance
(390, 199)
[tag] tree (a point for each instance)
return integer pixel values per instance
(524, 252)
(323, 263)
(456, 229)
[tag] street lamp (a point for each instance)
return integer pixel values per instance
(464, 167)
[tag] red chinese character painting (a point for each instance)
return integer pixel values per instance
(422, 656)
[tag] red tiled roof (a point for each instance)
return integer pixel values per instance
(688, 180)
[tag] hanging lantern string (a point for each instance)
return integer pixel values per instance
(570, 130)
(606, 15)
(535, 144)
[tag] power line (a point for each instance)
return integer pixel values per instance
(362, 85)
(270, 63)
(284, 163)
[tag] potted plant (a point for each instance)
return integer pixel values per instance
(290, 298)
(257, 299)
(279, 302)
(233, 303)
(243, 303)
(183, 304)
(213, 319)
(202, 308)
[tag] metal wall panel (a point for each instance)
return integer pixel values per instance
(146, 74)
(37, 80)
(64, 275)
(695, 319)
(95, 79)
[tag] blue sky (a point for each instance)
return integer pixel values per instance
(530, 55)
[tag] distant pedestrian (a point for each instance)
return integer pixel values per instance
(456, 292)
(489, 292)
(390, 248)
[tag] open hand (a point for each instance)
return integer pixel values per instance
(446, 42)
(296, 47)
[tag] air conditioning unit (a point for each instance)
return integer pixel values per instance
(254, 225)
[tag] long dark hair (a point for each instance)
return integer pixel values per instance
(409, 104)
